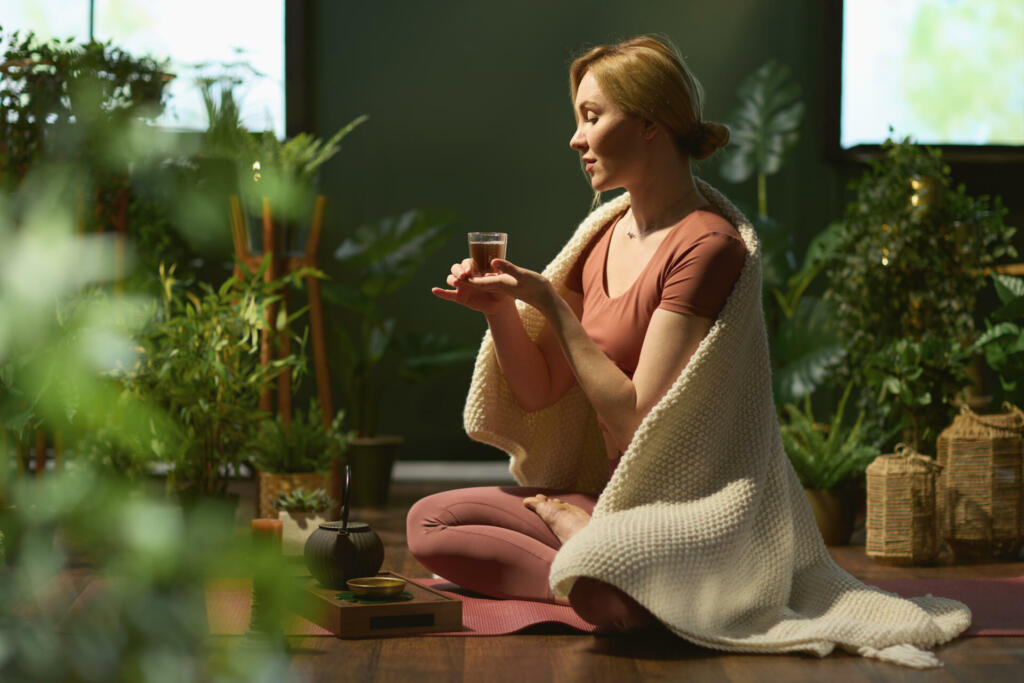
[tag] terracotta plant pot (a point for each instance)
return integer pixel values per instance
(298, 527)
(835, 512)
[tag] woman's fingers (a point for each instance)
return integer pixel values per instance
(492, 280)
(446, 294)
(502, 266)
(463, 269)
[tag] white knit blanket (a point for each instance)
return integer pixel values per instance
(704, 521)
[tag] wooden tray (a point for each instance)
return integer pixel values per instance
(428, 611)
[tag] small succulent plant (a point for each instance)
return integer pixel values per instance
(301, 500)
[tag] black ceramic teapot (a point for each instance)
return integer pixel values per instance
(343, 550)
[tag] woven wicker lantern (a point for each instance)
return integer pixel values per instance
(902, 527)
(981, 498)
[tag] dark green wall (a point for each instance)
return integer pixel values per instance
(469, 110)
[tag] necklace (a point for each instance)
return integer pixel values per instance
(632, 235)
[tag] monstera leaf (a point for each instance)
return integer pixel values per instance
(764, 125)
(805, 350)
(386, 254)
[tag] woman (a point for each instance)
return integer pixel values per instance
(666, 264)
(635, 325)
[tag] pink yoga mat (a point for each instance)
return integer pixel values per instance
(483, 616)
(997, 605)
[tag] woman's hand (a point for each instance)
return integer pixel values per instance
(519, 283)
(465, 292)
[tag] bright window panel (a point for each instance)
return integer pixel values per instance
(194, 32)
(941, 71)
(61, 19)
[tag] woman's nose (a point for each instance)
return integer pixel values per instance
(578, 141)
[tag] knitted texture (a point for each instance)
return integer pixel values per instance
(704, 521)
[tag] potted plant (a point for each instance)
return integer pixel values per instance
(829, 460)
(199, 360)
(912, 253)
(378, 260)
(302, 512)
(297, 455)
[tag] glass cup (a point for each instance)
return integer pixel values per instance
(484, 246)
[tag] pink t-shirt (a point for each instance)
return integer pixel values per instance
(692, 271)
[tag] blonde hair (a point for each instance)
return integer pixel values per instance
(646, 77)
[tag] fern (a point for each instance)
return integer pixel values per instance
(826, 457)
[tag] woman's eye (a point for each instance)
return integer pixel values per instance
(592, 119)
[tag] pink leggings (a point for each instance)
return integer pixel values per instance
(485, 540)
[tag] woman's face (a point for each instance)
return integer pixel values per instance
(608, 139)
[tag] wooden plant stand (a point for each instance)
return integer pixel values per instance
(282, 264)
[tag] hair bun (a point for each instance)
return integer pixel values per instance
(706, 138)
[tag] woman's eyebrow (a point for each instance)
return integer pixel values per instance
(586, 104)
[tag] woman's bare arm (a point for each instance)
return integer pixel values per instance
(621, 403)
(537, 372)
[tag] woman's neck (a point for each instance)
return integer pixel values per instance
(666, 196)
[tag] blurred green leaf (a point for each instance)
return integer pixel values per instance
(378, 260)
(764, 125)
(805, 349)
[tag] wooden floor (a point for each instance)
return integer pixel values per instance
(557, 656)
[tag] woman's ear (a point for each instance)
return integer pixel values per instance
(649, 129)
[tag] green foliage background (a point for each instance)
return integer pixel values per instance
(912, 253)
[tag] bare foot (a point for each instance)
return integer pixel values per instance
(564, 519)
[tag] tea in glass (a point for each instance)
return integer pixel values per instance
(484, 246)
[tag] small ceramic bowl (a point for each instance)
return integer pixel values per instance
(376, 586)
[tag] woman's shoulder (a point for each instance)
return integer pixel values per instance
(705, 221)
(705, 235)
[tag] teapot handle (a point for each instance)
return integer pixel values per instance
(345, 491)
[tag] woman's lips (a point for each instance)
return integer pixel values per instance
(589, 164)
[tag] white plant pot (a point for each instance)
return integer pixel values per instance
(298, 526)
